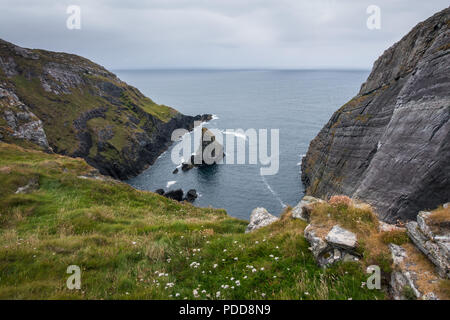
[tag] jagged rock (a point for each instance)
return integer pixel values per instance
(175, 171)
(259, 218)
(160, 191)
(318, 244)
(191, 195)
(404, 283)
(22, 123)
(389, 146)
(341, 238)
(210, 152)
(435, 247)
(303, 209)
(339, 244)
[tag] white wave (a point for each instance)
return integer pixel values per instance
(236, 134)
(283, 205)
(170, 183)
(214, 117)
(301, 158)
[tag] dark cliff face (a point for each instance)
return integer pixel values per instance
(68, 104)
(390, 145)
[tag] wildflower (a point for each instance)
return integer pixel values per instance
(238, 283)
(177, 294)
(263, 294)
(262, 269)
(224, 250)
(218, 294)
(215, 265)
(245, 277)
(195, 293)
(235, 258)
(253, 270)
(306, 293)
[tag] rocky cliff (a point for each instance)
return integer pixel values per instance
(68, 104)
(390, 145)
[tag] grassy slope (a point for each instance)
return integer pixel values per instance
(130, 244)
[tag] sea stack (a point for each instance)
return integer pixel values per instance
(210, 152)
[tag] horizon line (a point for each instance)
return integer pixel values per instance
(241, 69)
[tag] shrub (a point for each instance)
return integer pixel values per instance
(397, 237)
(340, 200)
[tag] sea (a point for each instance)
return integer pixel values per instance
(291, 106)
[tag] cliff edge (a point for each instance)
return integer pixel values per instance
(390, 145)
(67, 104)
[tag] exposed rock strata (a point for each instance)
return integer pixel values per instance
(435, 246)
(390, 145)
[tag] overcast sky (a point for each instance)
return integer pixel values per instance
(215, 33)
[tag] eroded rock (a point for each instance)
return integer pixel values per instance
(435, 246)
(259, 218)
(337, 245)
(303, 209)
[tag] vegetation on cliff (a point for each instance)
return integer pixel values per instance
(86, 111)
(57, 211)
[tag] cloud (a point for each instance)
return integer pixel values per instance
(215, 33)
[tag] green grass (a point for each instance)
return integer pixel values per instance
(138, 245)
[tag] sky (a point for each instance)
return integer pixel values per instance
(285, 34)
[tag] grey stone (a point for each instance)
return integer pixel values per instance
(436, 249)
(259, 218)
(303, 209)
(390, 145)
(341, 237)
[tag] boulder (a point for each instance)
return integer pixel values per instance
(160, 191)
(303, 209)
(341, 238)
(259, 218)
(174, 194)
(191, 195)
(175, 171)
(338, 245)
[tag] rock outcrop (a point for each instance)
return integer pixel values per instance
(210, 152)
(78, 108)
(436, 246)
(303, 209)
(410, 279)
(390, 145)
(338, 244)
(259, 218)
(177, 194)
